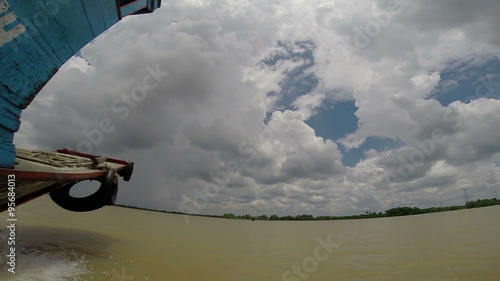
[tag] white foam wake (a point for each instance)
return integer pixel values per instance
(46, 266)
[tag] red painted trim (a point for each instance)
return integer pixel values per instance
(63, 176)
(81, 154)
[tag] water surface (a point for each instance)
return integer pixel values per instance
(118, 244)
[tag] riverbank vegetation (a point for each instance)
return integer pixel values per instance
(393, 212)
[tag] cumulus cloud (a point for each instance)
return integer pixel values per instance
(211, 99)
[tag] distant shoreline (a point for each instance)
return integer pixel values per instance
(393, 212)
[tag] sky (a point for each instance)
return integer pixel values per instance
(287, 107)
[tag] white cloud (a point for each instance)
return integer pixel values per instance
(208, 114)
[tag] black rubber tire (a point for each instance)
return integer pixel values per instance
(126, 172)
(105, 195)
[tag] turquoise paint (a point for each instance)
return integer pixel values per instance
(36, 38)
(139, 7)
(40, 25)
(73, 22)
(110, 13)
(94, 16)
(133, 7)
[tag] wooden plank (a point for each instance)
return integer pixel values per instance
(109, 12)
(24, 78)
(7, 106)
(9, 119)
(8, 152)
(34, 44)
(6, 135)
(95, 16)
(73, 22)
(11, 33)
(133, 7)
(40, 24)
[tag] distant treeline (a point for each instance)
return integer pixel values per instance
(394, 212)
(168, 212)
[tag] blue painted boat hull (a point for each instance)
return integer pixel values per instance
(36, 38)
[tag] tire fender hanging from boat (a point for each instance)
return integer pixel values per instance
(105, 195)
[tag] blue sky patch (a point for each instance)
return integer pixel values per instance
(297, 81)
(466, 83)
(335, 121)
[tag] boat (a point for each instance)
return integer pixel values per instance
(36, 39)
(37, 172)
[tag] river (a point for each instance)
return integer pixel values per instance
(121, 244)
